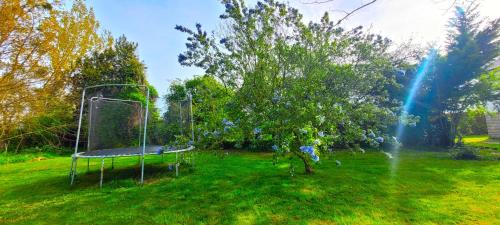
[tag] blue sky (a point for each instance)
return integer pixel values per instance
(151, 24)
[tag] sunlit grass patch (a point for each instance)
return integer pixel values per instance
(488, 148)
(475, 139)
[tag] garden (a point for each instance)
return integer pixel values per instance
(290, 123)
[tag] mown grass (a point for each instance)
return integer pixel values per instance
(6, 158)
(33, 154)
(482, 141)
(246, 188)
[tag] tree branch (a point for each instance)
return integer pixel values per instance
(347, 13)
(353, 11)
(317, 2)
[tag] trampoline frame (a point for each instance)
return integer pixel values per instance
(141, 154)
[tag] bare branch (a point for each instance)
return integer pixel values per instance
(317, 2)
(451, 6)
(347, 13)
(353, 11)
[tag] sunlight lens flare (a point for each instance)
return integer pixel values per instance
(415, 86)
(421, 72)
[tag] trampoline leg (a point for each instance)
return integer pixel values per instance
(142, 170)
(102, 173)
(71, 169)
(112, 163)
(88, 165)
(176, 164)
(177, 169)
(73, 174)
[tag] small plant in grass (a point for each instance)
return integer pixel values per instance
(465, 153)
(180, 142)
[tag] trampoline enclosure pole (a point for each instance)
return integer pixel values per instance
(73, 171)
(144, 138)
(180, 116)
(191, 115)
(140, 125)
(192, 124)
(80, 121)
(90, 124)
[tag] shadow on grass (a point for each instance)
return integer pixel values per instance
(128, 176)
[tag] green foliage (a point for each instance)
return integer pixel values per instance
(459, 79)
(118, 64)
(209, 101)
(465, 153)
(50, 128)
(180, 142)
(473, 122)
(490, 83)
(287, 76)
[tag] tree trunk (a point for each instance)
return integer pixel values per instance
(454, 122)
(307, 165)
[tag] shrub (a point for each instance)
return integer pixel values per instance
(465, 153)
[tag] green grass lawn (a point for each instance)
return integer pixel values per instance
(245, 188)
(482, 141)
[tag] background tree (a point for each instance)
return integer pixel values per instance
(459, 78)
(117, 64)
(40, 43)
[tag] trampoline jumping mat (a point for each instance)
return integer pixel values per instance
(117, 152)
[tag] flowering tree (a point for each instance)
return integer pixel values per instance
(301, 89)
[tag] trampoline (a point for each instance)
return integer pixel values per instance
(114, 122)
(131, 151)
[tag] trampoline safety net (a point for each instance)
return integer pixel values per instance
(113, 124)
(113, 121)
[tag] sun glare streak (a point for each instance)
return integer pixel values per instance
(415, 86)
